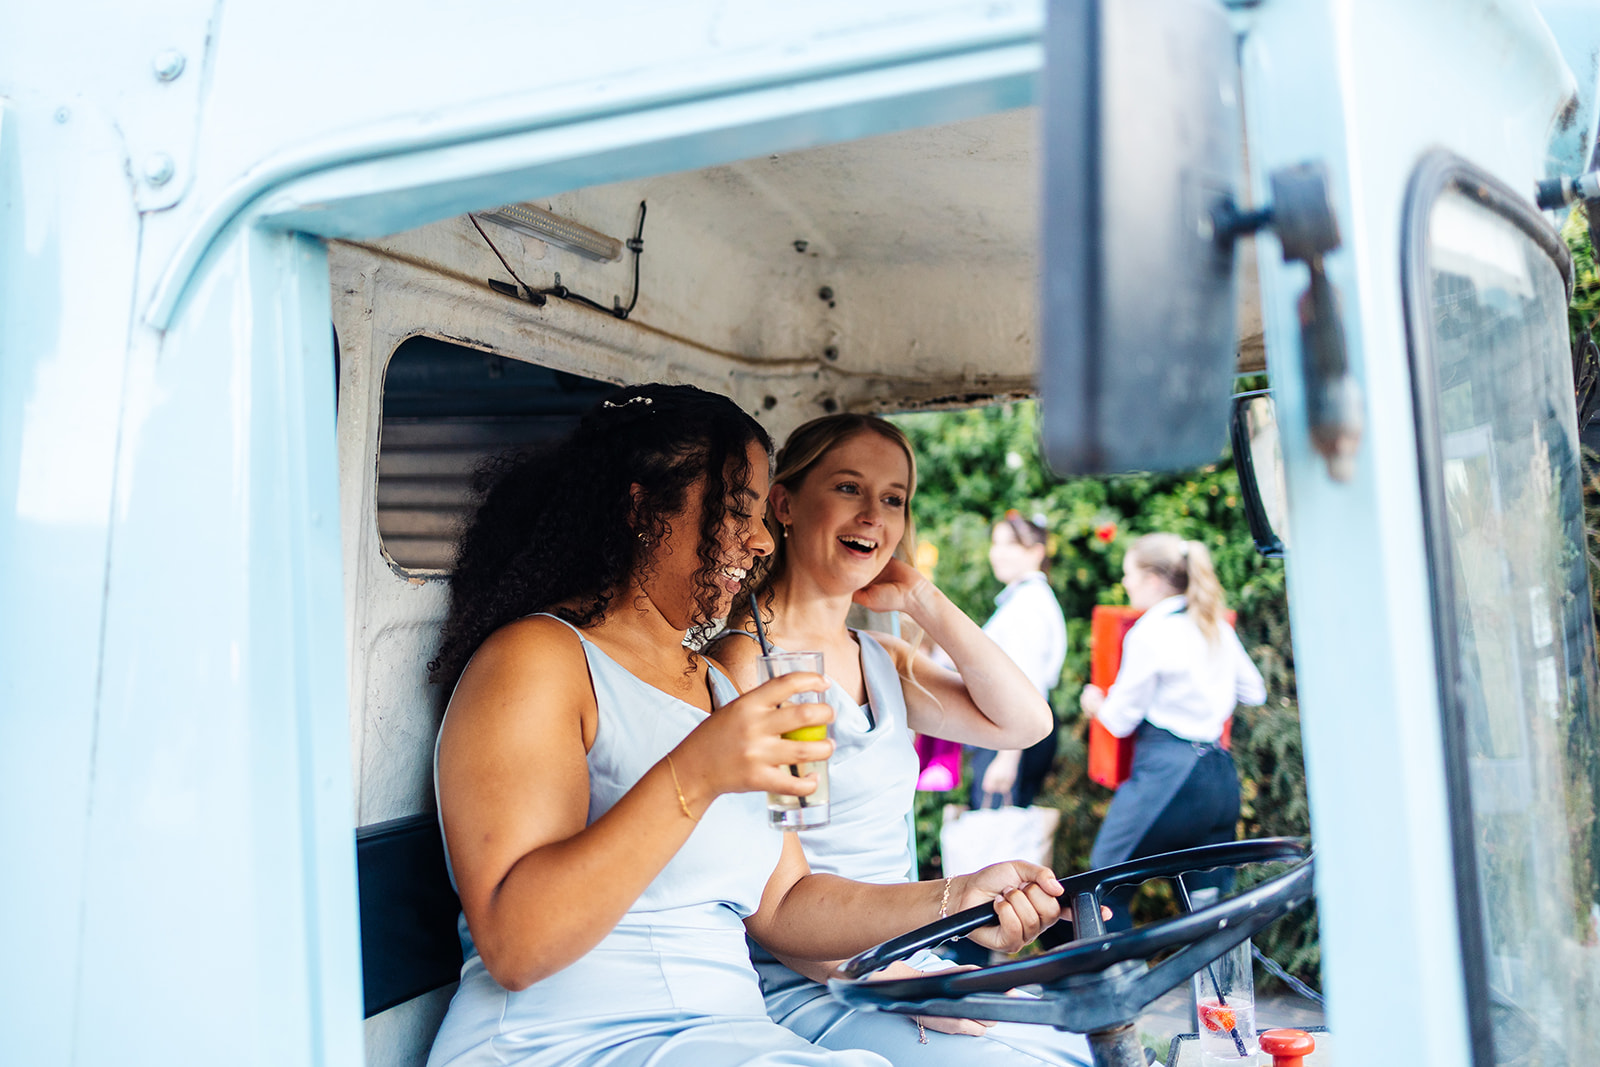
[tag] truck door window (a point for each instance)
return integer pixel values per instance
(447, 408)
(1486, 302)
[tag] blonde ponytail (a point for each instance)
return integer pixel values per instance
(1206, 600)
(1186, 567)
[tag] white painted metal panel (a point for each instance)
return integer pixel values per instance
(1359, 594)
(64, 217)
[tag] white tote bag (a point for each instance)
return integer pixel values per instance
(973, 839)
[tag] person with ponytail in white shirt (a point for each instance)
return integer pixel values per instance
(1183, 672)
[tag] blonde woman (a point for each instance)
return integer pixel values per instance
(840, 512)
(1183, 672)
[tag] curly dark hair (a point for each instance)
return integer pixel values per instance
(559, 530)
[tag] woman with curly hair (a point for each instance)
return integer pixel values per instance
(840, 512)
(601, 787)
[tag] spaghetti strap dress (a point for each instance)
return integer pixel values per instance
(672, 983)
(872, 780)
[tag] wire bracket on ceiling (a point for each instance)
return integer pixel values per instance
(539, 297)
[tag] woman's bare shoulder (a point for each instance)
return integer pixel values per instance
(537, 635)
(735, 653)
(535, 656)
(898, 648)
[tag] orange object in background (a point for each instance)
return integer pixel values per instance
(1111, 757)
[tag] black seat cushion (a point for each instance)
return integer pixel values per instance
(409, 943)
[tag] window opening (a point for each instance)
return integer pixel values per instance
(446, 409)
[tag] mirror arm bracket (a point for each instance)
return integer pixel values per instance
(1302, 215)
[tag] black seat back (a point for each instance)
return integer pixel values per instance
(409, 943)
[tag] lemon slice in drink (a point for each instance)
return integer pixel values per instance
(808, 733)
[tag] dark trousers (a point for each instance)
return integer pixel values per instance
(1032, 769)
(1180, 794)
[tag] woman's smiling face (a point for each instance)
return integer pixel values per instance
(847, 515)
(674, 569)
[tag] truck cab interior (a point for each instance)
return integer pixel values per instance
(891, 273)
(238, 520)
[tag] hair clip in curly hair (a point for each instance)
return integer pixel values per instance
(626, 403)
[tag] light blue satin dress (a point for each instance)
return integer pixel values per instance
(672, 983)
(872, 782)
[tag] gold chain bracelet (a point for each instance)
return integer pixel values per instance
(944, 910)
(682, 803)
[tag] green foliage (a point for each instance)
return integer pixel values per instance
(1585, 307)
(1583, 314)
(1161, 1046)
(972, 466)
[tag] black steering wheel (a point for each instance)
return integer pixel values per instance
(1099, 982)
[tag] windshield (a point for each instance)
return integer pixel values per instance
(1522, 626)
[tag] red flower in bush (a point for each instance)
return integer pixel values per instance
(1105, 532)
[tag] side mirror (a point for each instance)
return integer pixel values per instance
(1138, 340)
(1259, 460)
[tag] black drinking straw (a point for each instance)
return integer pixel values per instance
(1222, 1001)
(766, 650)
(761, 631)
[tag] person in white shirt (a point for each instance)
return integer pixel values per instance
(1028, 624)
(1183, 672)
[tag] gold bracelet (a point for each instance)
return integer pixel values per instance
(682, 803)
(944, 908)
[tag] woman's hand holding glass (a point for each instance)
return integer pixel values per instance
(1024, 896)
(740, 747)
(786, 811)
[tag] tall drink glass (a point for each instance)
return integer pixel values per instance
(785, 812)
(1225, 996)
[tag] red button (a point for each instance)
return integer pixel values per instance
(1287, 1047)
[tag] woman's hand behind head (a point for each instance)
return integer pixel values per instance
(896, 588)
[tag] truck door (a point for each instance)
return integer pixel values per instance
(1487, 285)
(1443, 639)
